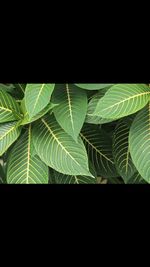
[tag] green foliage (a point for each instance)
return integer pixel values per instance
(74, 133)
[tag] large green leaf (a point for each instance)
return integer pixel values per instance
(23, 168)
(122, 100)
(139, 141)
(58, 150)
(37, 97)
(72, 108)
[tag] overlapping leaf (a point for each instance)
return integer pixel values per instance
(37, 97)
(136, 179)
(9, 132)
(23, 167)
(93, 86)
(48, 133)
(59, 178)
(91, 117)
(9, 108)
(70, 179)
(71, 110)
(139, 141)
(27, 119)
(121, 151)
(58, 150)
(122, 100)
(99, 149)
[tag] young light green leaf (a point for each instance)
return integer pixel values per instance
(37, 97)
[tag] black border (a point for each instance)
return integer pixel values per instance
(76, 67)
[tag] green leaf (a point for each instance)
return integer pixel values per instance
(59, 178)
(9, 132)
(137, 179)
(121, 151)
(7, 87)
(2, 174)
(139, 141)
(23, 168)
(90, 117)
(27, 119)
(9, 108)
(73, 179)
(122, 100)
(37, 97)
(71, 109)
(58, 150)
(99, 149)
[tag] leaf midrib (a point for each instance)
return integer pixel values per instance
(70, 106)
(38, 96)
